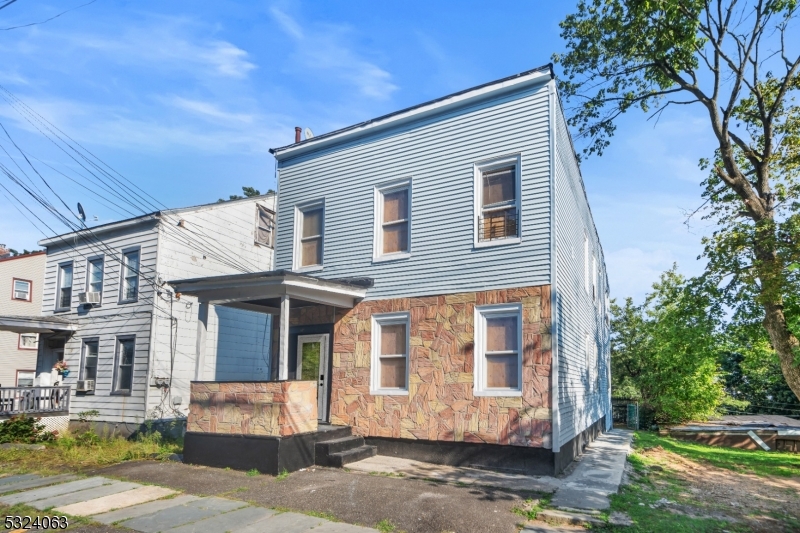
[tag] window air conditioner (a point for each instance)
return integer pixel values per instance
(91, 298)
(85, 385)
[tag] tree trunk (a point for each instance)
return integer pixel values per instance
(784, 343)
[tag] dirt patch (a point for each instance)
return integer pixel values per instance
(414, 506)
(763, 503)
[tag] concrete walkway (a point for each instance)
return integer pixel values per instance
(152, 509)
(597, 475)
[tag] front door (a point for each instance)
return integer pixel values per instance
(312, 364)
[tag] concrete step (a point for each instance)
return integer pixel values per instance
(330, 432)
(328, 447)
(554, 516)
(351, 456)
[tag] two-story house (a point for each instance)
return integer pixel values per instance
(21, 278)
(128, 340)
(440, 295)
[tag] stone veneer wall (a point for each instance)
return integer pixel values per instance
(440, 405)
(275, 409)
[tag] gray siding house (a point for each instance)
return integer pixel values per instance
(440, 291)
(128, 340)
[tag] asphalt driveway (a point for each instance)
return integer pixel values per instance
(412, 505)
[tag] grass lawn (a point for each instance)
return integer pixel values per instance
(678, 487)
(83, 452)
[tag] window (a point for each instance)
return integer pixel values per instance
(594, 278)
(586, 262)
(393, 220)
(123, 381)
(310, 235)
(591, 362)
(64, 292)
(265, 226)
(94, 275)
(90, 352)
(25, 378)
(497, 189)
(390, 345)
(130, 275)
(498, 341)
(28, 341)
(21, 289)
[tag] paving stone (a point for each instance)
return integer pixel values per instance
(284, 523)
(144, 509)
(231, 521)
(116, 501)
(33, 483)
(182, 514)
(339, 527)
(55, 490)
(541, 527)
(85, 495)
(17, 479)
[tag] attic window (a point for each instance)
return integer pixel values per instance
(265, 226)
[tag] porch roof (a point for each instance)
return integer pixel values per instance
(262, 291)
(36, 324)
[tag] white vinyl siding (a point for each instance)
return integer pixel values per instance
(440, 153)
(582, 331)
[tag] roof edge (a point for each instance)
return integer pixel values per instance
(408, 113)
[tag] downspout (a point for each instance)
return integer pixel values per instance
(555, 416)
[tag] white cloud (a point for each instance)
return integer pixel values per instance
(323, 49)
(632, 271)
(208, 110)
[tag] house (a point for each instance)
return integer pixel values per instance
(440, 294)
(21, 278)
(128, 340)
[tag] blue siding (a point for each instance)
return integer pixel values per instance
(439, 154)
(580, 402)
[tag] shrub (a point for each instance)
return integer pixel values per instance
(24, 429)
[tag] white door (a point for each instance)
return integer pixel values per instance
(312, 364)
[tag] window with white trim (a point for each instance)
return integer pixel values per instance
(594, 278)
(265, 226)
(94, 275)
(497, 188)
(25, 378)
(393, 220)
(130, 276)
(123, 378)
(498, 350)
(586, 262)
(28, 341)
(390, 346)
(22, 289)
(64, 292)
(309, 235)
(91, 350)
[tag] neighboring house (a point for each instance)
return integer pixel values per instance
(130, 344)
(21, 279)
(440, 286)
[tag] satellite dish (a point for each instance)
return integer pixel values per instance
(81, 212)
(309, 133)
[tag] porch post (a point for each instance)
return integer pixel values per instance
(283, 346)
(202, 330)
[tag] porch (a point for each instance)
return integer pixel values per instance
(281, 424)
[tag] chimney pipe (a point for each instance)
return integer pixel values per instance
(297, 130)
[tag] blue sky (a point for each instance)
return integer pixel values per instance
(186, 98)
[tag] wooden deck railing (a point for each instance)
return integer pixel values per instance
(33, 400)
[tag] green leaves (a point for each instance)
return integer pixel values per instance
(667, 350)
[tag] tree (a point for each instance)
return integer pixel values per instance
(249, 192)
(731, 59)
(668, 349)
